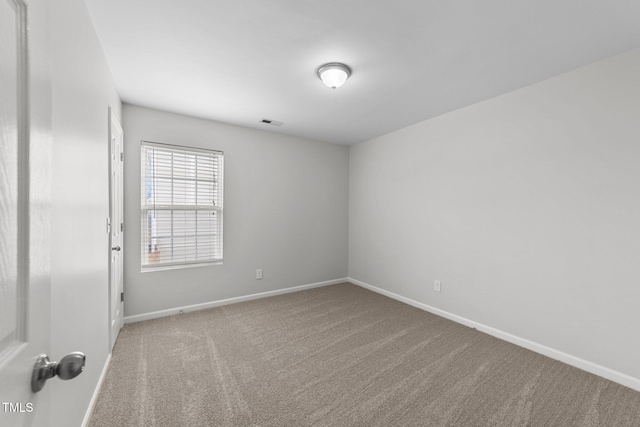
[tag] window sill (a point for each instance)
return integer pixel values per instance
(178, 266)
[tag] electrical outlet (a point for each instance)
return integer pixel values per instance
(437, 284)
(258, 274)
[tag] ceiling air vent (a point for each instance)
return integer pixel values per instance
(272, 122)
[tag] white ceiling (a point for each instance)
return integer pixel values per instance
(239, 61)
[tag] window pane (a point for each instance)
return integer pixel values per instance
(161, 190)
(184, 192)
(205, 193)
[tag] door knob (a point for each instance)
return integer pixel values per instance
(70, 366)
(116, 248)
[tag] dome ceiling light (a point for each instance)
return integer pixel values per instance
(334, 74)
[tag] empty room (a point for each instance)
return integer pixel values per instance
(338, 213)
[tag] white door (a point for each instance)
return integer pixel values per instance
(116, 149)
(25, 165)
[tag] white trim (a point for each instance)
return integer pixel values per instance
(175, 266)
(211, 304)
(574, 361)
(96, 392)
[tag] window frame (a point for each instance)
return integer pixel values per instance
(146, 238)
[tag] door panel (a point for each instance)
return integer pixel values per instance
(12, 311)
(116, 207)
(25, 158)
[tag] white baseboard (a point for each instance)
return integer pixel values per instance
(211, 304)
(96, 392)
(574, 361)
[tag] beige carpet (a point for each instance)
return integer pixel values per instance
(342, 356)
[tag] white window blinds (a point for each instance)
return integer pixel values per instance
(181, 205)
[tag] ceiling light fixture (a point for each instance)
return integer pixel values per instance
(334, 74)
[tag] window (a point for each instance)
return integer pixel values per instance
(181, 206)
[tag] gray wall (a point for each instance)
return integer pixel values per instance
(527, 208)
(82, 90)
(285, 202)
